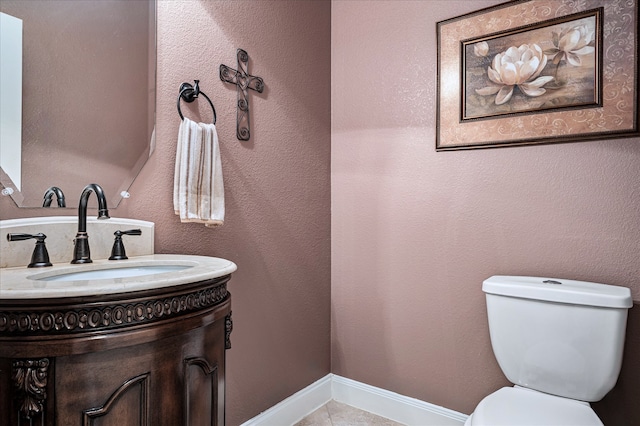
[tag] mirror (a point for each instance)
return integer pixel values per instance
(87, 97)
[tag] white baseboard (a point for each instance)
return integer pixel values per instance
(399, 408)
(297, 406)
(391, 405)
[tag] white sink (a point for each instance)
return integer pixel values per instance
(109, 277)
(116, 272)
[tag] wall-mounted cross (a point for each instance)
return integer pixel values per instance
(243, 81)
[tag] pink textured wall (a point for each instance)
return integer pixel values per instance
(277, 185)
(415, 232)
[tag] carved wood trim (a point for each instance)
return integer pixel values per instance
(108, 315)
(228, 327)
(208, 370)
(88, 416)
(29, 378)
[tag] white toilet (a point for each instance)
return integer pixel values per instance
(560, 342)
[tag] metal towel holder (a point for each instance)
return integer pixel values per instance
(189, 93)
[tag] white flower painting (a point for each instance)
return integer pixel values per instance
(571, 44)
(553, 65)
(516, 67)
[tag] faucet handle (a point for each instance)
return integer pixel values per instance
(118, 252)
(40, 256)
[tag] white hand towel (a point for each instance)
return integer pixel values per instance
(198, 190)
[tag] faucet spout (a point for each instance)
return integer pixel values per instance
(81, 251)
(48, 196)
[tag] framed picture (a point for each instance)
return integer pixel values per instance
(538, 71)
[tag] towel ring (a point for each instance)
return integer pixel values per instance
(189, 93)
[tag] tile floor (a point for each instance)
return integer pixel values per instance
(337, 414)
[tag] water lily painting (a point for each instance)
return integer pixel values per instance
(552, 65)
(538, 71)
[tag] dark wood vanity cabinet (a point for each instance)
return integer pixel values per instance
(149, 358)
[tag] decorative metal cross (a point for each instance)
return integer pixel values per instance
(243, 81)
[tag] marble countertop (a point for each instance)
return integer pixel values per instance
(27, 283)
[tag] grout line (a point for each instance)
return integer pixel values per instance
(326, 407)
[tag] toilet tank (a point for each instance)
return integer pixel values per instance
(562, 337)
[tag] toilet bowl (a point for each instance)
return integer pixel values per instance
(512, 406)
(559, 342)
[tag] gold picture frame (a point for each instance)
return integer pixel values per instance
(538, 71)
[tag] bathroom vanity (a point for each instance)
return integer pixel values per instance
(153, 356)
(148, 358)
(140, 341)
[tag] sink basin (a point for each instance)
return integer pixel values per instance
(112, 273)
(103, 277)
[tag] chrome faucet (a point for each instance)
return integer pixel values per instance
(81, 252)
(48, 195)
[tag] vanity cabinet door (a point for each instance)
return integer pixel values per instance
(107, 388)
(172, 381)
(204, 377)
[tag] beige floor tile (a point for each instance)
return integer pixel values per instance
(338, 414)
(346, 415)
(320, 417)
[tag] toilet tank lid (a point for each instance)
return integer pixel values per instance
(559, 290)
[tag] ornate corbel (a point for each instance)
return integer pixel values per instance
(228, 327)
(29, 378)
